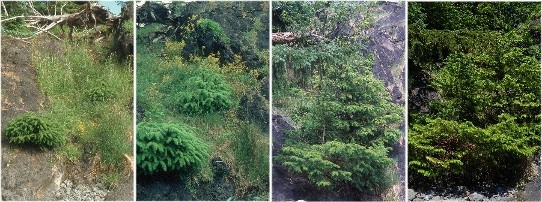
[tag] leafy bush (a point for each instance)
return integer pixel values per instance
(205, 92)
(163, 147)
(335, 163)
(351, 104)
(34, 129)
(210, 33)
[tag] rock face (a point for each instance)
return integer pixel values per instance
(387, 43)
(26, 172)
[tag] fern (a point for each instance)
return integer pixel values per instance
(163, 147)
(34, 129)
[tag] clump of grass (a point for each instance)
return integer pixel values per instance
(90, 97)
(111, 180)
(71, 152)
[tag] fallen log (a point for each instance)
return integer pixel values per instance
(284, 38)
(290, 38)
(94, 14)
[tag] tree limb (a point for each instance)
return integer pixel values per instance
(93, 13)
(284, 38)
(290, 37)
(4, 7)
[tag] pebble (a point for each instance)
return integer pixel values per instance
(411, 194)
(477, 197)
(68, 192)
(427, 197)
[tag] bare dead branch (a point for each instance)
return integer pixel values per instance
(4, 8)
(62, 9)
(94, 12)
(44, 30)
(31, 5)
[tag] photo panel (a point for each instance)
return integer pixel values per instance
(202, 101)
(67, 91)
(338, 101)
(474, 101)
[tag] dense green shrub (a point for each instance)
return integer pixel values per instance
(476, 74)
(34, 129)
(99, 92)
(458, 153)
(335, 163)
(347, 121)
(350, 104)
(210, 33)
(204, 92)
(163, 147)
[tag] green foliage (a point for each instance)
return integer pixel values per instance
(128, 26)
(453, 152)
(481, 61)
(164, 71)
(70, 152)
(322, 18)
(251, 154)
(111, 180)
(208, 38)
(110, 138)
(253, 108)
(204, 92)
(34, 130)
(90, 97)
(350, 105)
(209, 33)
(346, 119)
(163, 147)
(480, 88)
(99, 92)
(474, 16)
(336, 163)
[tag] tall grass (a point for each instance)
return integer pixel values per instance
(105, 124)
